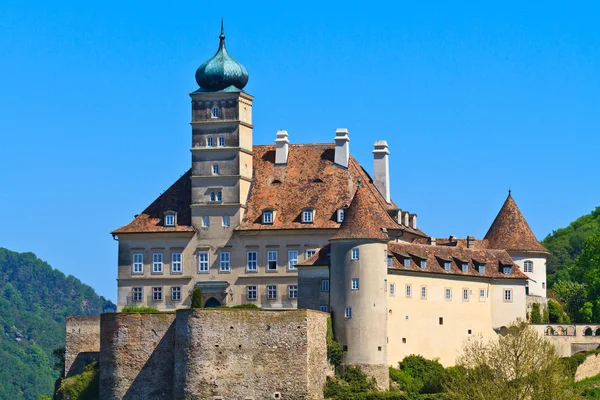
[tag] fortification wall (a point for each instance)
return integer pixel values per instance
(250, 354)
(136, 356)
(570, 338)
(82, 343)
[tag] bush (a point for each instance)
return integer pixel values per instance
(430, 373)
(536, 316)
(139, 309)
(405, 381)
(352, 382)
(82, 386)
(197, 298)
(335, 351)
(556, 314)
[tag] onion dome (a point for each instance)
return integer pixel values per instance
(221, 71)
(511, 232)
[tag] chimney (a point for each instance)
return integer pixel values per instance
(452, 239)
(470, 242)
(342, 147)
(281, 147)
(432, 240)
(413, 221)
(381, 169)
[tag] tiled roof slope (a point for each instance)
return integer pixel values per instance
(320, 258)
(510, 231)
(176, 198)
(436, 255)
(364, 219)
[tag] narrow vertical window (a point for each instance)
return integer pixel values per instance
(157, 262)
(292, 259)
(448, 293)
(423, 264)
(221, 141)
(481, 293)
(215, 112)
(210, 142)
(465, 294)
(272, 292)
(206, 221)
(138, 263)
(219, 196)
(225, 261)
(355, 254)
(354, 284)
(292, 291)
(447, 265)
(408, 290)
(507, 294)
(213, 196)
(340, 215)
(176, 293)
(423, 292)
(252, 260)
(272, 260)
(465, 267)
(226, 221)
(390, 261)
(392, 289)
(406, 262)
(348, 312)
(325, 285)
(251, 292)
(215, 169)
(176, 262)
(203, 261)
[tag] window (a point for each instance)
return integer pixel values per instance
(215, 169)
(390, 261)
(481, 269)
(292, 291)
(176, 293)
(205, 221)
(213, 196)
(170, 220)
(219, 196)
(215, 112)
(355, 254)
(354, 284)
(465, 267)
(423, 292)
(307, 216)
(507, 270)
(385, 285)
(325, 285)
(528, 266)
(271, 292)
(292, 259)
(441, 320)
(507, 294)
(407, 262)
(408, 290)
(310, 253)
(138, 263)
(272, 260)
(157, 293)
(448, 294)
(392, 289)
(251, 261)
(340, 215)
(481, 293)
(225, 258)
(157, 262)
(203, 261)
(447, 265)
(226, 221)
(348, 312)
(136, 294)
(210, 142)
(423, 264)
(324, 309)
(251, 292)
(465, 294)
(267, 217)
(176, 262)
(221, 141)
(543, 285)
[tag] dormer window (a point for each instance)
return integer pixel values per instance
(215, 112)
(215, 169)
(465, 267)
(406, 219)
(481, 268)
(447, 265)
(507, 270)
(423, 264)
(221, 141)
(340, 215)
(267, 217)
(390, 261)
(216, 196)
(407, 262)
(170, 218)
(308, 216)
(210, 142)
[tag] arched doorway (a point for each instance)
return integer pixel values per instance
(212, 303)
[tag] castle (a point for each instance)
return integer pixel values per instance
(287, 226)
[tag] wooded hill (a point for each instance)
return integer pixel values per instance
(34, 301)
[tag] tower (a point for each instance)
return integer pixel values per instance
(358, 278)
(221, 142)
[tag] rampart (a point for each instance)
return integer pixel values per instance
(571, 338)
(211, 354)
(82, 343)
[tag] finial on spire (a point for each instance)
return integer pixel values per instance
(222, 35)
(509, 191)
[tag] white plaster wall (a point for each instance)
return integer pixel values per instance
(537, 281)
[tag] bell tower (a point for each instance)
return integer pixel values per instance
(221, 142)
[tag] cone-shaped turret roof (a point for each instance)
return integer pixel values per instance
(510, 231)
(364, 219)
(221, 71)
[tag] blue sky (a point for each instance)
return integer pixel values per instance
(473, 99)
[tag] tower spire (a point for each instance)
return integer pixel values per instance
(222, 35)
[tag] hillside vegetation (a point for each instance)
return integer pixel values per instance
(34, 301)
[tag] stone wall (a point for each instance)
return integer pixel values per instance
(82, 343)
(250, 354)
(136, 356)
(569, 338)
(590, 367)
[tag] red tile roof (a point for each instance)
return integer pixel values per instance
(510, 231)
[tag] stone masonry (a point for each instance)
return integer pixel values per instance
(82, 343)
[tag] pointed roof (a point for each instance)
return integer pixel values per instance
(365, 218)
(510, 231)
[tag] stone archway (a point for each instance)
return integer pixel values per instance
(212, 303)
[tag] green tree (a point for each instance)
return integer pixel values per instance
(197, 298)
(573, 295)
(535, 317)
(521, 365)
(556, 314)
(429, 372)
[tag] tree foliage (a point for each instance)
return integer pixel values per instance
(197, 298)
(573, 295)
(520, 365)
(34, 301)
(535, 316)
(335, 351)
(556, 314)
